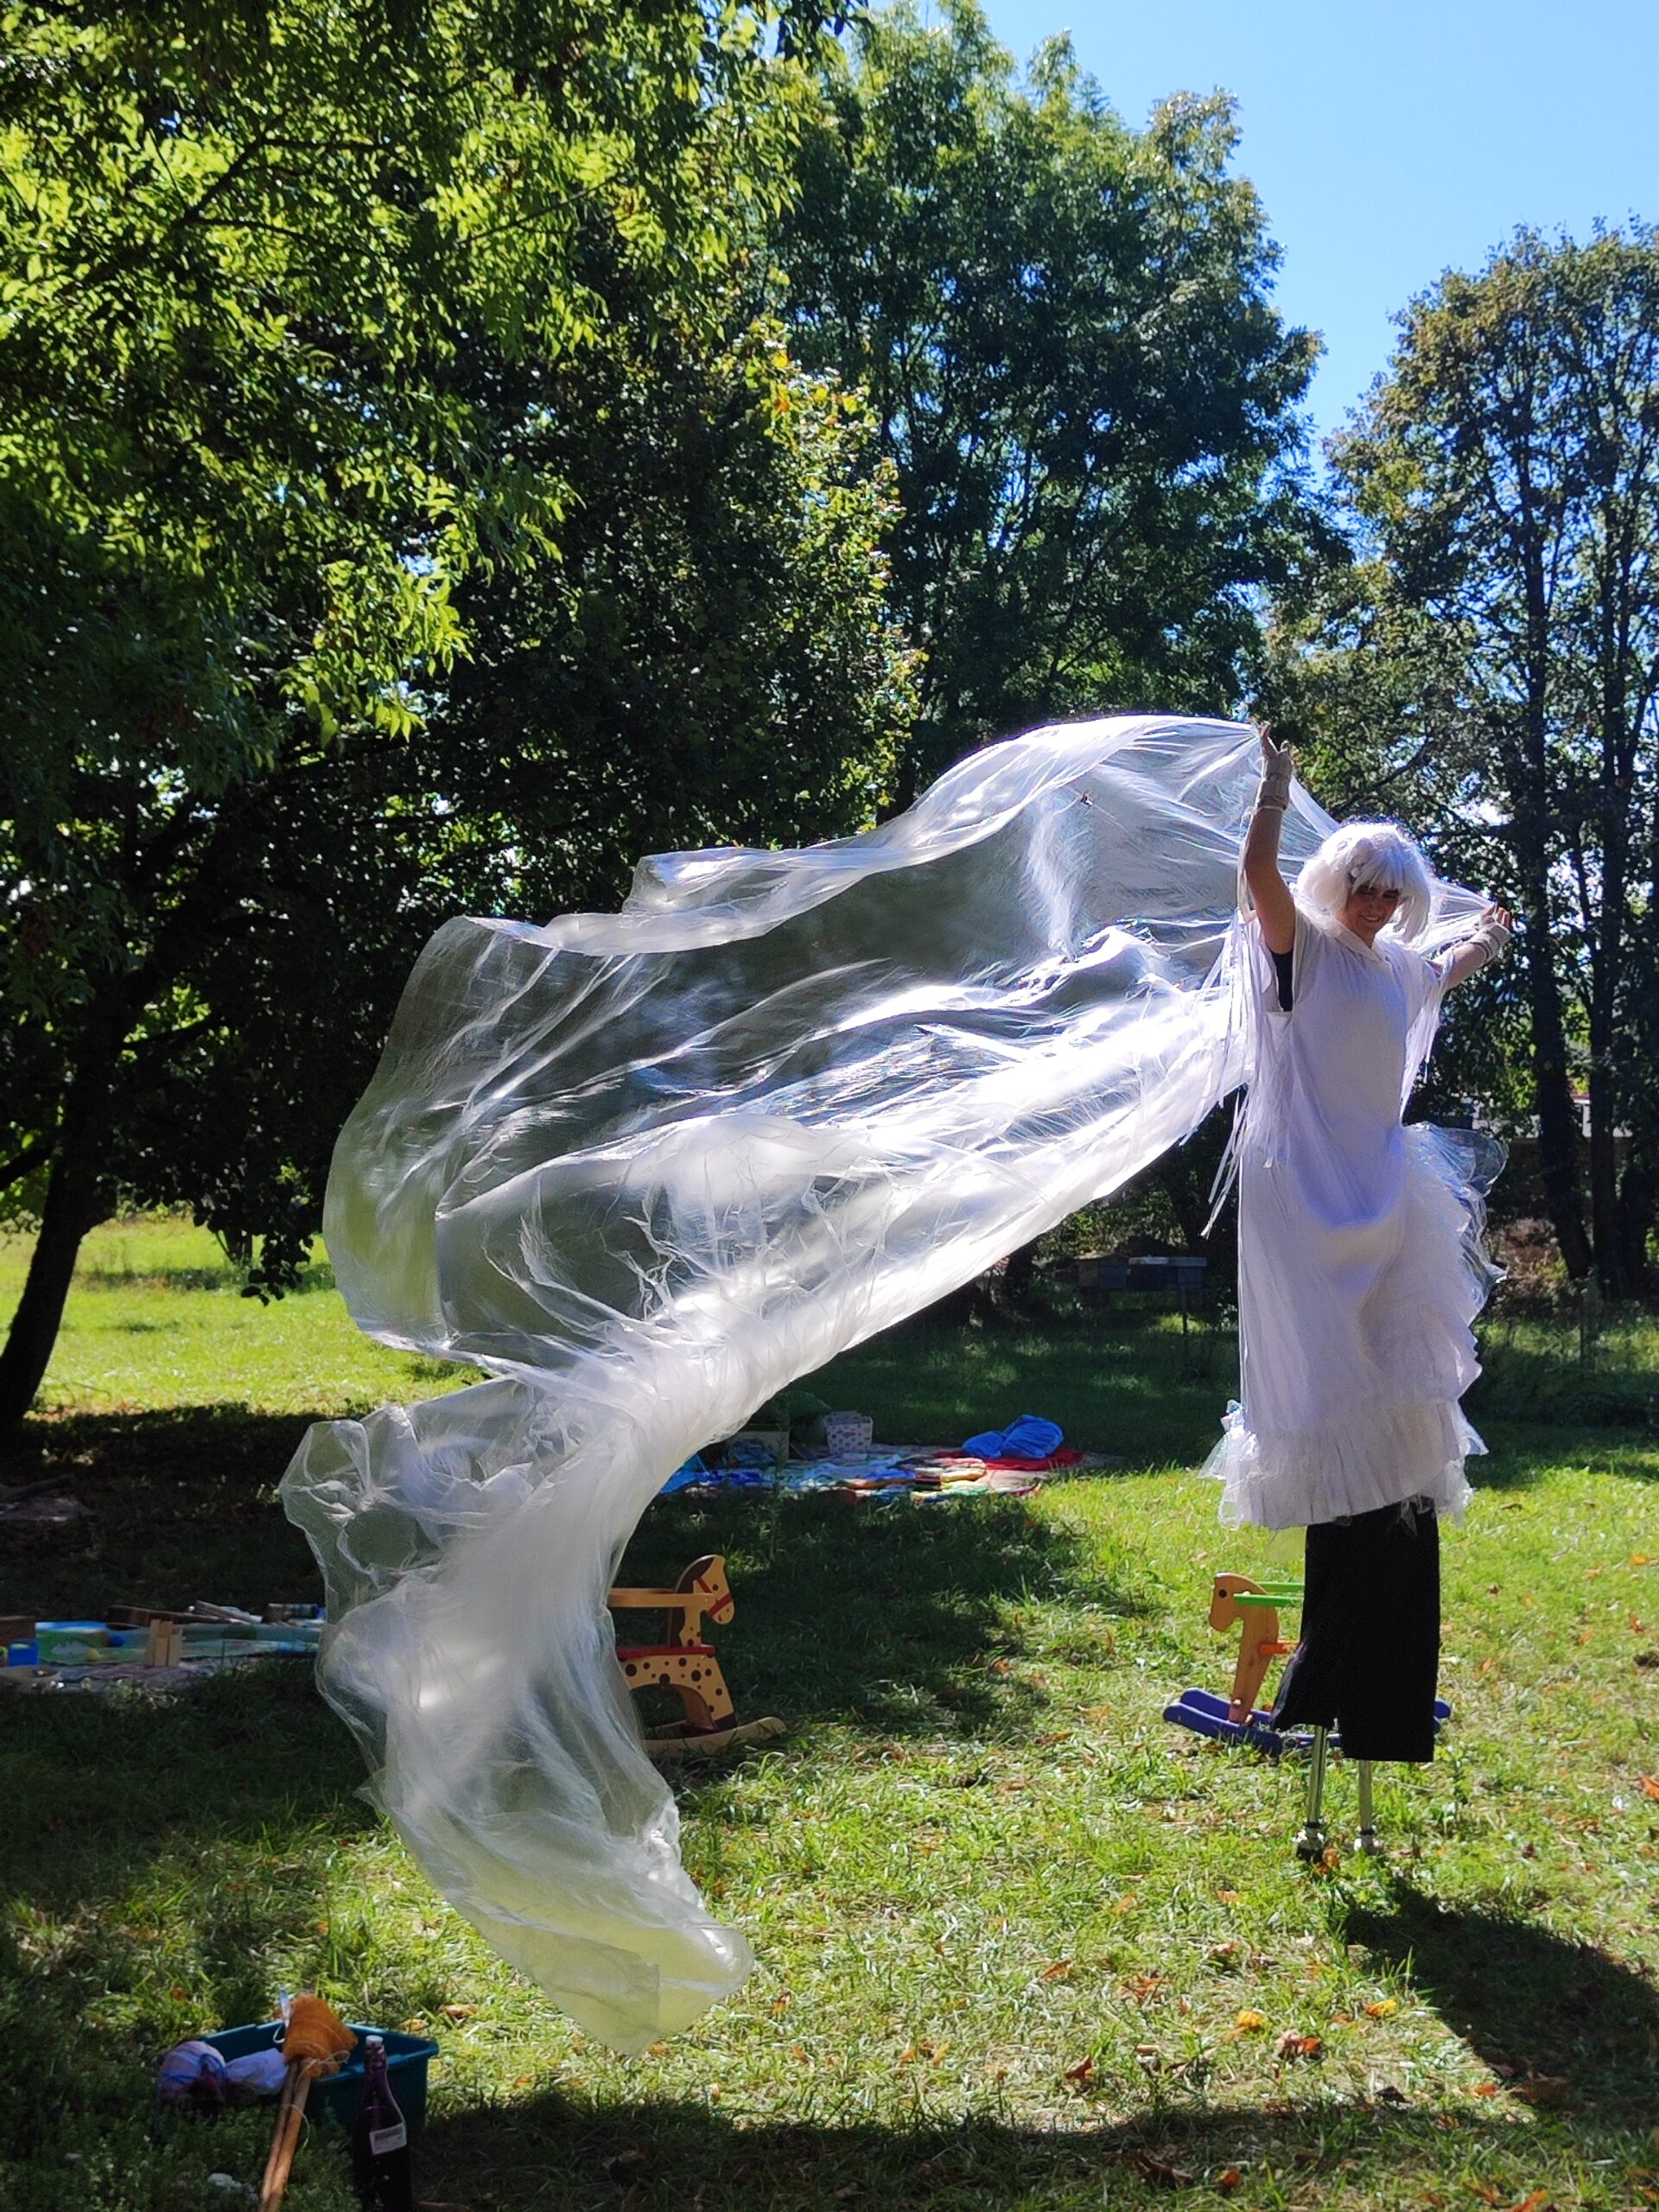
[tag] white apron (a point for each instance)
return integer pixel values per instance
(1359, 1264)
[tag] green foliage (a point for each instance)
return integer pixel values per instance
(332, 342)
(1064, 329)
(1486, 668)
(712, 659)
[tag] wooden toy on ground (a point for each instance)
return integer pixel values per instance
(1254, 1609)
(687, 1664)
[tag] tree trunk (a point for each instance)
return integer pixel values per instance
(1639, 1201)
(1558, 1121)
(1020, 1275)
(73, 1206)
(1604, 1184)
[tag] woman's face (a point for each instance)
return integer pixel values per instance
(1369, 908)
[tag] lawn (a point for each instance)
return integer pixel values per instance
(1022, 1944)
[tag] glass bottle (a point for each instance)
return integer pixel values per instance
(381, 2172)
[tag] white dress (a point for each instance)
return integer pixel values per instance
(1359, 1261)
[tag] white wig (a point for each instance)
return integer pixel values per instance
(1368, 856)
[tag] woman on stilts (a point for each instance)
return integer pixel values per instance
(1360, 1274)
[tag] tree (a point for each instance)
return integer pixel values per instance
(1505, 478)
(713, 658)
(1065, 329)
(274, 281)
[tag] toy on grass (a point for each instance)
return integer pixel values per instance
(687, 1664)
(1254, 1609)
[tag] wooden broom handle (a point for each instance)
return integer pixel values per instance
(290, 2114)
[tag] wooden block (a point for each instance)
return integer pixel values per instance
(164, 1644)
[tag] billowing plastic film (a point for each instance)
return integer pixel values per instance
(645, 1169)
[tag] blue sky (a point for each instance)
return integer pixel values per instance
(1394, 141)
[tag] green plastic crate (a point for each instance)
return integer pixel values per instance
(337, 2096)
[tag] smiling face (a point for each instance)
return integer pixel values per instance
(1371, 906)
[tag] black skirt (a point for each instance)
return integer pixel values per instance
(1369, 1660)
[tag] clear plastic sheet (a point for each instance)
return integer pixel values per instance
(645, 1169)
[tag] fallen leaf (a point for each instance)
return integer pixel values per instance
(1159, 2171)
(1384, 2008)
(1649, 1785)
(1141, 1986)
(657, 2050)
(780, 2003)
(1485, 2192)
(1228, 2179)
(1544, 2089)
(1059, 1971)
(1082, 2072)
(1484, 2090)
(1126, 1904)
(1224, 1954)
(1294, 2046)
(459, 2011)
(1535, 2202)
(1248, 2019)
(1229, 1897)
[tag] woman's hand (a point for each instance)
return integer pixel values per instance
(1484, 944)
(1278, 761)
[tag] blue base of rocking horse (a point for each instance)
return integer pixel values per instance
(1205, 1714)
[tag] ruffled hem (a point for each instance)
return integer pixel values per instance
(1306, 1476)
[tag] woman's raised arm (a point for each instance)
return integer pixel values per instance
(1275, 910)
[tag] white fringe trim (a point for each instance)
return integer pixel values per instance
(1301, 1477)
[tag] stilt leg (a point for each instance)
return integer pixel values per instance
(1366, 1839)
(1310, 1844)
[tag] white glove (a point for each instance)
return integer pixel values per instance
(1493, 935)
(1278, 766)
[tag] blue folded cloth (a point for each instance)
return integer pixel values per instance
(1031, 1437)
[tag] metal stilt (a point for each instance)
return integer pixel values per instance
(1310, 1844)
(1366, 1840)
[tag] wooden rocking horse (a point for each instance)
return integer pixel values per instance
(687, 1664)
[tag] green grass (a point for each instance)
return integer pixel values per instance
(1007, 1919)
(157, 1321)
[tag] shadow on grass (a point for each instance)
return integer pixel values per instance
(894, 1616)
(1522, 1453)
(181, 1505)
(1537, 2008)
(661, 2157)
(145, 1838)
(1122, 1382)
